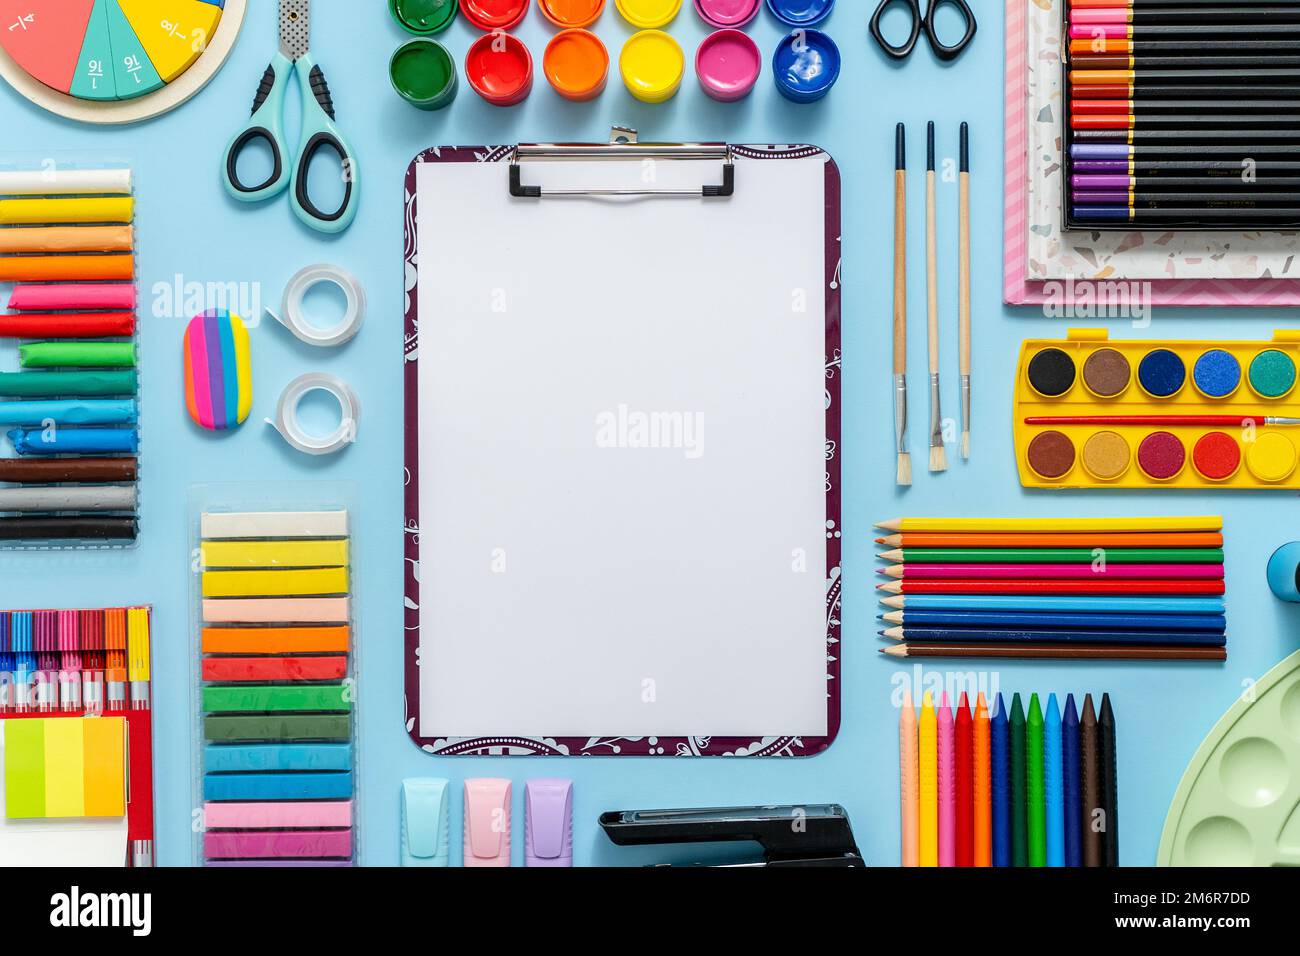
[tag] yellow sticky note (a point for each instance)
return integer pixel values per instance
(173, 32)
(105, 770)
(65, 786)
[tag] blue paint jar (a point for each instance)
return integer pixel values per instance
(1284, 572)
(806, 65)
(801, 13)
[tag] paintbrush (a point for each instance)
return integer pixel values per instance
(900, 305)
(938, 457)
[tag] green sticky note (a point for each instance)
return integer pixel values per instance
(24, 769)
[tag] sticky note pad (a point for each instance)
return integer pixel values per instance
(65, 783)
(24, 769)
(105, 766)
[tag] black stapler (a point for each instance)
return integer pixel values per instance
(810, 835)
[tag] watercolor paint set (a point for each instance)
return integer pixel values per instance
(69, 411)
(1094, 413)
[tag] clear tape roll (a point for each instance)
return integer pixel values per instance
(287, 423)
(292, 315)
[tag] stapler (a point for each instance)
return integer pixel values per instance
(809, 835)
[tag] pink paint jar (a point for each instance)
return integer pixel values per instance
(725, 14)
(728, 64)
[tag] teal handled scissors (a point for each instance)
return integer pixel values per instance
(318, 129)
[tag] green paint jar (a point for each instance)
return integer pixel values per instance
(424, 74)
(423, 17)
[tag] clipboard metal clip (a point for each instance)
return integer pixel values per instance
(623, 145)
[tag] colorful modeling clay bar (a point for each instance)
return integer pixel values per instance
(1008, 789)
(278, 767)
(1091, 413)
(71, 412)
(1130, 589)
(68, 664)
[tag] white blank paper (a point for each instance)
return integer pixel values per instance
(622, 453)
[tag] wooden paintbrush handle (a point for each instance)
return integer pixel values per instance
(931, 274)
(963, 277)
(900, 272)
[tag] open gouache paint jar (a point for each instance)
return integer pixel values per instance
(727, 14)
(424, 74)
(806, 65)
(500, 68)
(423, 17)
(652, 64)
(576, 64)
(728, 64)
(571, 13)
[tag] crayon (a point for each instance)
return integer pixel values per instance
(19, 212)
(928, 785)
(74, 441)
(982, 812)
(1035, 798)
(67, 239)
(945, 761)
(69, 529)
(1108, 782)
(1054, 825)
(77, 355)
(78, 268)
(907, 756)
(963, 783)
(90, 382)
(1071, 805)
(82, 325)
(1018, 777)
(94, 411)
(1093, 820)
(1000, 783)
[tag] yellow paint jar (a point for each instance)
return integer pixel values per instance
(652, 64)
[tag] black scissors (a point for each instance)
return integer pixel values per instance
(924, 23)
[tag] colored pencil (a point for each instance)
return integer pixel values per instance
(1154, 60)
(1155, 31)
(1052, 603)
(1182, 91)
(1000, 783)
(981, 817)
(904, 462)
(1147, 4)
(1086, 539)
(1035, 797)
(963, 288)
(928, 786)
(1140, 81)
(1180, 121)
(1019, 780)
(1188, 215)
(1090, 787)
(1095, 652)
(1034, 620)
(1143, 586)
(1157, 168)
(921, 571)
(1054, 824)
(965, 635)
(1054, 555)
(945, 760)
(1071, 808)
(1107, 781)
(1123, 151)
(1259, 201)
(938, 455)
(908, 796)
(963, 783)
(1142, 106)
(1053, 525)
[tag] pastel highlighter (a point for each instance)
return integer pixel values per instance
(576, 64)
(728, 64)
(1094, 413)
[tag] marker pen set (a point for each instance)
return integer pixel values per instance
(1170, 110)
(70, 411)
(276, 689)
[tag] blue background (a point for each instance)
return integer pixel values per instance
(187, 225)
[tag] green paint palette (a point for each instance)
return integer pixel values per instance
(1238, 803)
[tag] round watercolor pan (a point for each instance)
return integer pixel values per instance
(1051, 373)
(1161, 373)
(1106, 456)
(1107, 373)
(1051, 455)
(1271, 457)
(1216, 374)
(1236, 802)
(1161, 456)
(1272, 374)
(1216, 456)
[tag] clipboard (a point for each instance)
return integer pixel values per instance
(581, 579)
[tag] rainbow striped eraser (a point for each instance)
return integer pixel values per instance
(218, 370)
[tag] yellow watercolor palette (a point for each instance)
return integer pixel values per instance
(1094, 413)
